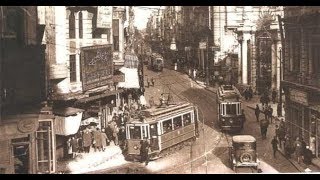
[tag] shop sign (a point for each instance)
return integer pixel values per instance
(202, 45)
(104, 17)
(27, 125)
(96, 66)
(298, 96)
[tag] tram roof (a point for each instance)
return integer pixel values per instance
(243, 138)
(228, 92)
(149, 114)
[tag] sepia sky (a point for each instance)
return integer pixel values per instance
(142, 13)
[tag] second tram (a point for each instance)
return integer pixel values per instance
(230, 113)
(165, 127)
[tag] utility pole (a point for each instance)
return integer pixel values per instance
(2, 59)
(282, 54)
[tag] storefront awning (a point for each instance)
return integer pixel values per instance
(105, 94)
(131, 78)
(67, 120)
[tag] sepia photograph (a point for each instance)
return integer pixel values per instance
(159, 89)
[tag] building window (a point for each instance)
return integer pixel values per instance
(295, 51)
(80, 25)
(72, 26)
(95, 32)
(73, 71)
(315, 54)
(115, 25)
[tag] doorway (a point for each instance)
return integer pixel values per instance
(21, 157)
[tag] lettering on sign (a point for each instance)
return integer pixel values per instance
(298, 96)
(96, 66)
(104, 17)
(202, 45)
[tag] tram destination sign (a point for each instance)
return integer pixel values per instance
(96, 66)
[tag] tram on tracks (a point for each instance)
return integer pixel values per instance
(165, 128)
(230, 114)
(156, 62)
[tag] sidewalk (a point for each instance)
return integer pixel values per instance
(93, 161)
(252, 104)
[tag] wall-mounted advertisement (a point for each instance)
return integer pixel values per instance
(104, 17)
(96, 66)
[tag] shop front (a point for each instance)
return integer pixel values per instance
(27, 144)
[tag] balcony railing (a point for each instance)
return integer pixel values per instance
(311, 81)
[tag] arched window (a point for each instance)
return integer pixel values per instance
(80, 25)
(72, 26)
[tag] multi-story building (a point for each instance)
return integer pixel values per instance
(85, 49)
(301, 74)
(206, 35)
(27, 140)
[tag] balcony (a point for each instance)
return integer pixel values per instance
(311, 82)
(58, 71)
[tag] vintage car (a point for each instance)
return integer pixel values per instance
(243, 152)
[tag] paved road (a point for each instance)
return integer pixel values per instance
(209, 153)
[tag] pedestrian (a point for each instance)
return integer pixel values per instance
(243, 115)
(270, 111)
(287, 146)
(250, 93)
(298, 149)
(257, 112)
(69, 148)
(151, 101)
(245, 93)
(262, 100)
(274, 95)
(266, 113)
(104, 140)
(144, 151)
(274, 143)
(279, 110)
(87, 140)
(80, 142)
(170, 99)
(307, 157)
(115, 131)
(267, 99)
(148, 82)
(109, 133)
(152, 81)
(161, 99)
(264, 124)
(97, 141)
(122, 137)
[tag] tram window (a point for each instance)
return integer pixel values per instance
(135, 132)
(177, 122)
(231, 109)
(153, 130)
(167, 126)
(186, 119)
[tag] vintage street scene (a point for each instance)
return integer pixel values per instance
(159, 89)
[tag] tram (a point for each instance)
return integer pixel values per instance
(230, 114)
(156, 62)
(164, 127)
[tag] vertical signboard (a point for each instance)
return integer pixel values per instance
(104, 17)
(96, 66)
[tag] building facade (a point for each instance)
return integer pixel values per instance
(205, 36)
(85, 49)
(301, 74)
(27, 131)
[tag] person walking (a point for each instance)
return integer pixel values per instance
(151, 102)
(307, 156)
(298, 149)
(274, 96)
(270, 112)
(74, 146)
(264, 124)
(274, 143)
(152, 81)
(104, 140)
(279, 110)
(257, 112)
(97, 141)
(144, 151)
(287, 146)
(87, 140)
